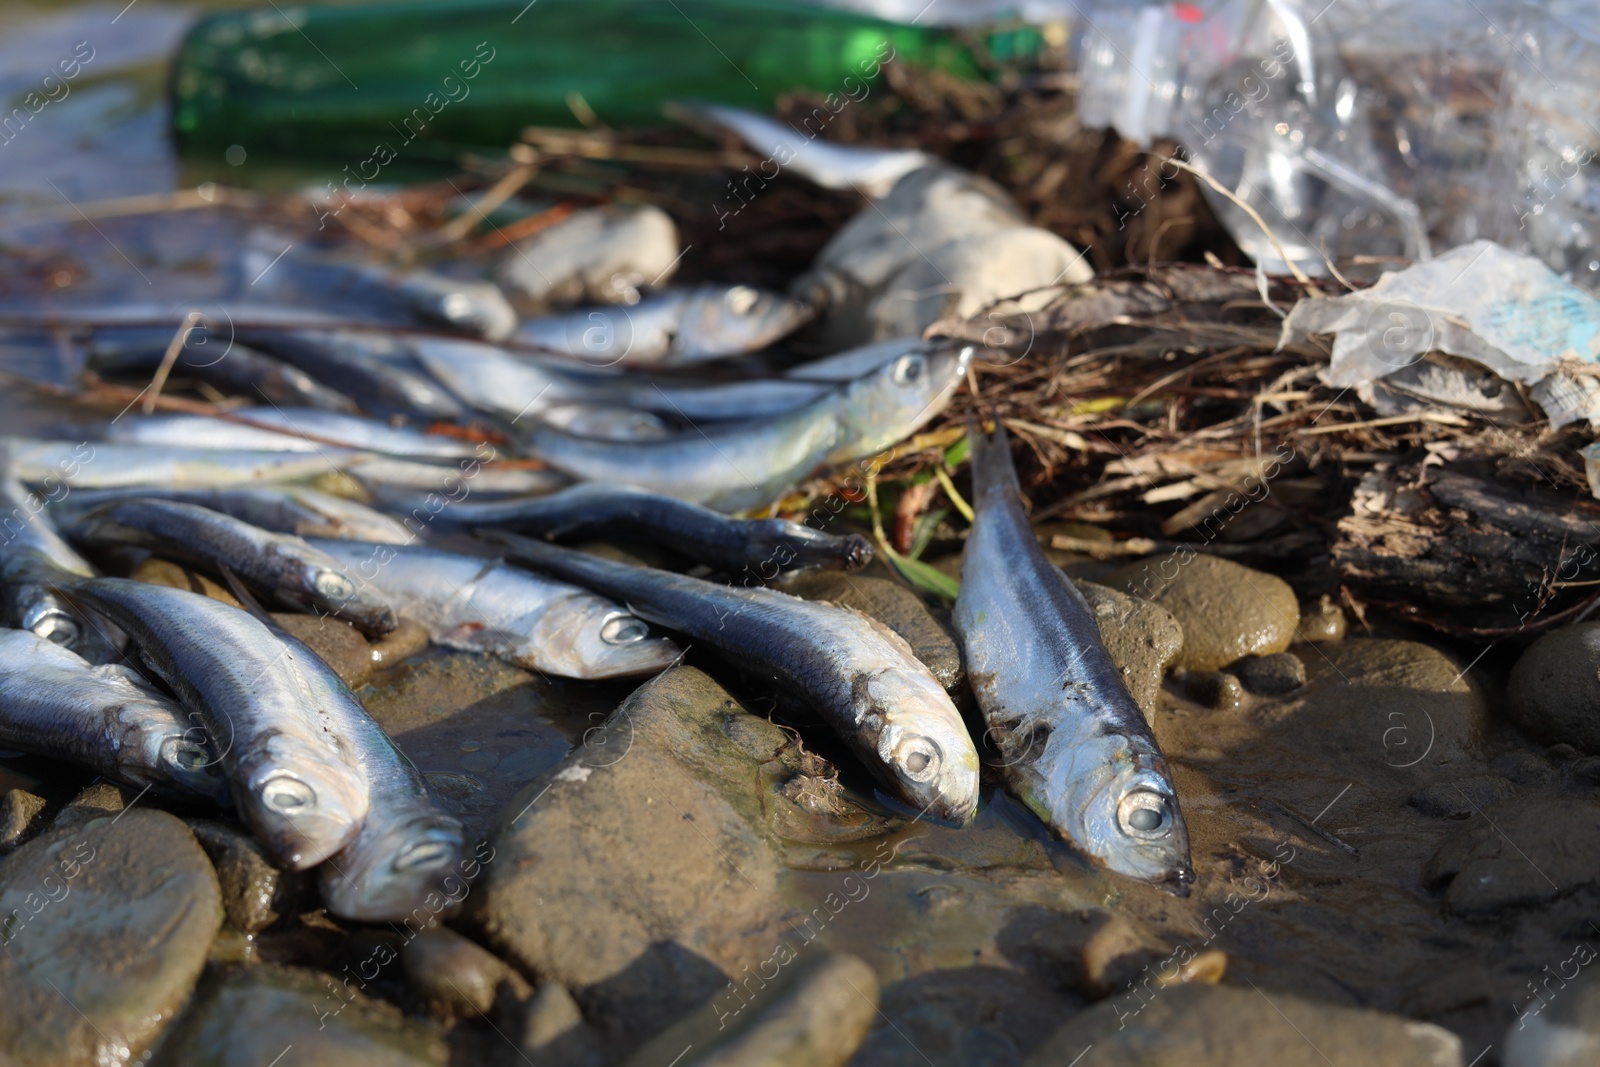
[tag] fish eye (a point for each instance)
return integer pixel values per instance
(54, 626)
(184, 755)
(622, 629)
(333, 585)
(456, 307)
(1144, 814)
(908, 369)
(741, 299)
(918, 758)
(287, 795)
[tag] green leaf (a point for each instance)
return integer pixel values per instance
(957, 454)
(926, 578)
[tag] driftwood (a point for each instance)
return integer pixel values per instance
(1468, 554)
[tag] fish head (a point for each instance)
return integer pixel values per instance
(738, 318)
(887, 405)
(470, 306)
(779, 544)
(1113, 798)
(165, 753)
(585, 636)
(301, 800)
(924, 744)
(395, 865)
(333, 590)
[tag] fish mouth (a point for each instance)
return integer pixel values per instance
(375, 881)
(1179, 882)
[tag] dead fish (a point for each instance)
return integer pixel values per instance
(295, 782)
(855, 671)
(762, 547)
(1078, 751)
(290, 509)
(736, 465)
(106, 718)
(483, 605)
(269, 429)
(869, 171)
(228, 365)
(670, 328)
(284, 566)
(379, 369)
(409, 849)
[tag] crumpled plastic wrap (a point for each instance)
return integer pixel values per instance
(1481, 302)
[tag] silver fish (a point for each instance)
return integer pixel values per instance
(855, 671)
(270, 429)
(284, 566)
(228, 365)
(408, 847)
(376, 368)
(732, 466)
(483, 605)
(603, 253)
(670, 328)
(103, 464)
(763, 547)
(107, 718)
(32, 554)
(295, 782)
(869, 171)
(290, 509)
(1077, 749)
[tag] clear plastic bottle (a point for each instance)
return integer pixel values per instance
(1357, 129)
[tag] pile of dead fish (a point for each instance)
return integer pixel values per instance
(473, 449)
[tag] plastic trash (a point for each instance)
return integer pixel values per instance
(1499, 309)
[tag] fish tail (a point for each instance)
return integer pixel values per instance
(992, 469)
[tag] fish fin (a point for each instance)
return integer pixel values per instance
(246, 599)
(992, 469)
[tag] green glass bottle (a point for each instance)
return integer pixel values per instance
(424, 80)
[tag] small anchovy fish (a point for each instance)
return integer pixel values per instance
(269, 429)
(408, 847)
(292, 572)
(295, 782)
(858, 673)
(1077, 749)
(379, 368)
(32, 555)
(396, 483)
(483, 605)
(736, 465)
(699, 533)
(106, 718)
(417, 294)
(228, 365)
(104, 465)
(290, 509)
(855, 362)
(869, 171)
(670, 328)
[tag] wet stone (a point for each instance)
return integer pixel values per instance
(1094, 951)
(814, 1013)
(639, 873)
(1221, 1026)
(1555, 687)
(255, 894)
(96, 801)
(1274, 675)
(1523, 767)
(553, 1032)
(1459, 800)
(106, 926)
(975, 1016)
(896, 607)
(1320, 620)
(159, 571)
(455, 977)
(1143, 639)
(1214, 689)
(339, 644)
(20, 816)
(1227, 611)
(254, 1015)
(1518, 853)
